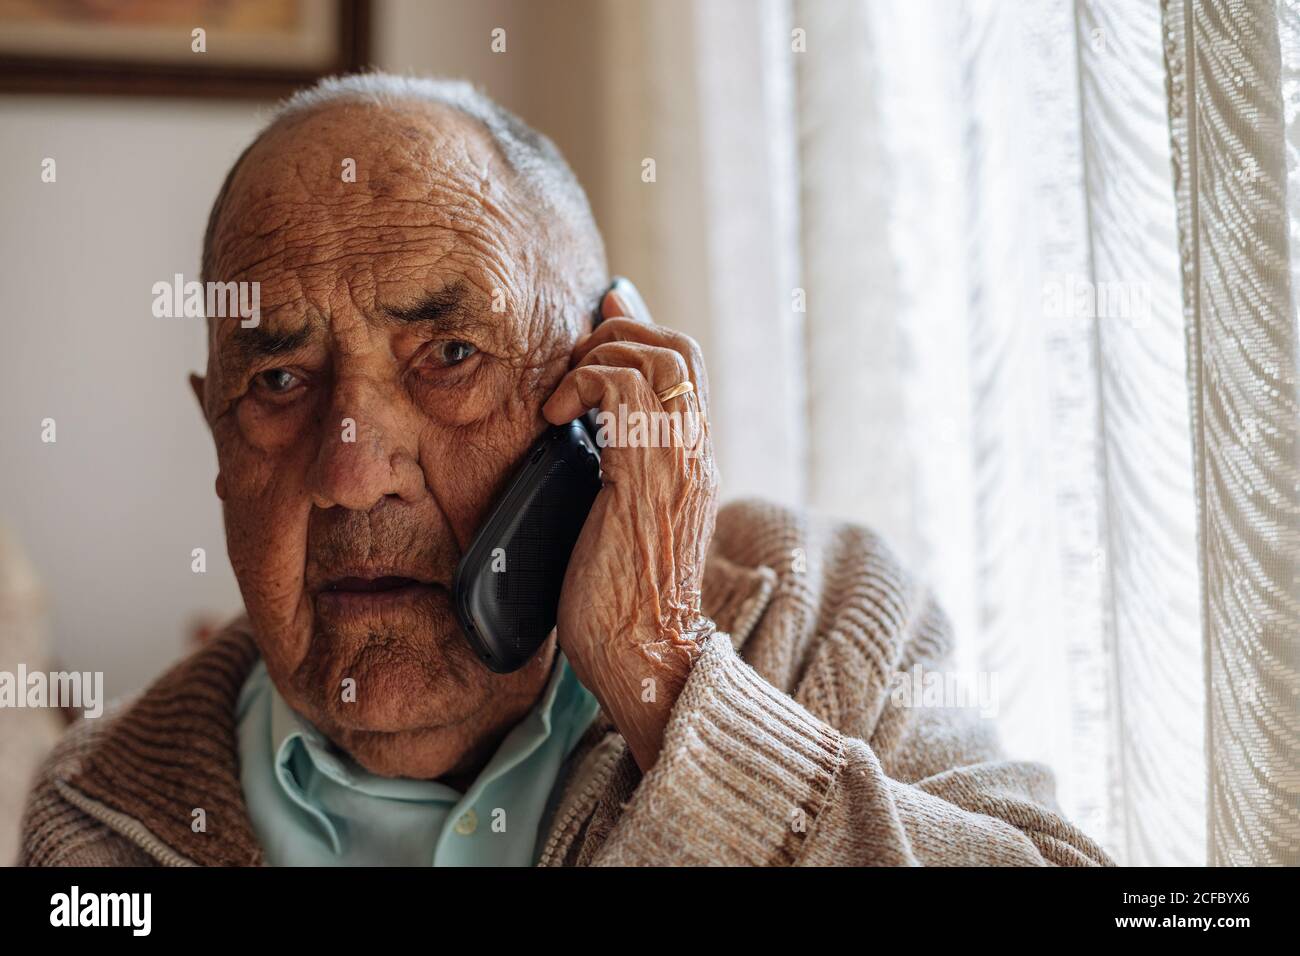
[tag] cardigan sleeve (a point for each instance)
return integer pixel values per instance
(803, 749)
(749, 776)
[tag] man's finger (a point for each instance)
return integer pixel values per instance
(597, 386)
(626, 330)
(662, 367)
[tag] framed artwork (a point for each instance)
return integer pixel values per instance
(241, 48)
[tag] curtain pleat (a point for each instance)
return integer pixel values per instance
(1149, 545)
(751, 188)
(858, 349)
(1230, 145)
(1033, 394)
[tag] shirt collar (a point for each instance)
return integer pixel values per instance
(301, 750)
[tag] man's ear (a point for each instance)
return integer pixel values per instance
(197, 382)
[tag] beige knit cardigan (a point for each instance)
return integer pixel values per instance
(786, 745)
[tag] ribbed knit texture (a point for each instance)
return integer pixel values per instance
(783, 748)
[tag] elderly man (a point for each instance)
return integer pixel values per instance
(705, 697)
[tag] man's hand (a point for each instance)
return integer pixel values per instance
(629, 618)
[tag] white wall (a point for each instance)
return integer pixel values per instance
(109, 513)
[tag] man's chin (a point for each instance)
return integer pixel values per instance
(417, 755)
(409, 669)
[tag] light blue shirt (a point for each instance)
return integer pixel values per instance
(312, 805)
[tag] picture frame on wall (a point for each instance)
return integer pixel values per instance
(227, 48)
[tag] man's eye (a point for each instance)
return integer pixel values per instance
(277, 380)
(453, 353)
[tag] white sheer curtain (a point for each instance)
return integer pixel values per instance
(975, 203)
(1234, 70)
(1016, 372)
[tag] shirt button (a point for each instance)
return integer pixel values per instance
(467, 823)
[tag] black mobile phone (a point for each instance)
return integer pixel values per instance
(507, 585)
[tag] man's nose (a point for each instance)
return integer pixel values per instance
(364, 455)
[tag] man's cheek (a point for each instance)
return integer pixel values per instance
(266, 513)
(266, 539)
(253, 466)
(277, 430)
(466, 402)
(468, 482)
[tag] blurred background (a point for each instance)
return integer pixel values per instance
(930, 250)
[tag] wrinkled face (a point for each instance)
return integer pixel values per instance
(412, 324)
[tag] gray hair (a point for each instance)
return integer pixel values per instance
(531, 156)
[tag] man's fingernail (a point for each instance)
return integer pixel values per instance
(620, 302)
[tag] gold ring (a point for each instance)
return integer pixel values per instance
(676, 390)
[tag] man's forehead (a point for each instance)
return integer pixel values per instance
(425, 200)
(348, 167)
(394, 145)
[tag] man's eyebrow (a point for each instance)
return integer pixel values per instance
(248, 346)
(434, 308)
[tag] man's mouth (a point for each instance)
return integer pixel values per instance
(388, 582)
(361, 593)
